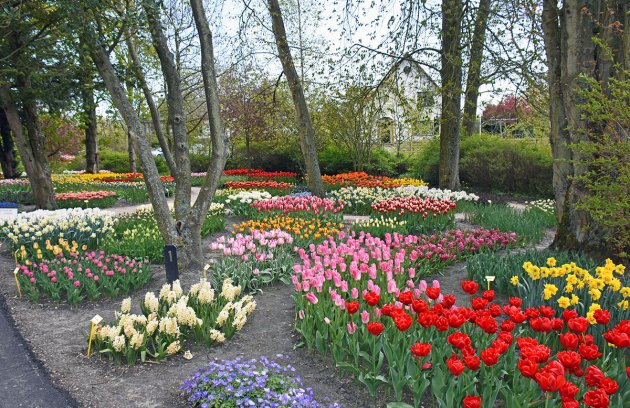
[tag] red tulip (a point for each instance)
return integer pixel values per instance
(375, 328)
(596, 398)
(472, 402)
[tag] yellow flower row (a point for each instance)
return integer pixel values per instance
(298, 227)
(575, 278)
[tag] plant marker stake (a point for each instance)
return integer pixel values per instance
(17, 282)
(205, 271)
(489, 279)
(95, 320)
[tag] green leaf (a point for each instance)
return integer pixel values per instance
(398, 405)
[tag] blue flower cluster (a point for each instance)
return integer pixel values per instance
(301, 194)
(260, 383)
(8, 204)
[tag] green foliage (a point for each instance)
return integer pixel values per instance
(118, 162)
(490, 163)
(510, 166)
(529, 224)
(252, 275)
(21, 194)
(137, 235)
(334, 160)
(607, 157)
(427, 163)
(511, 264)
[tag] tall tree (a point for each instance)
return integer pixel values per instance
(184, 229)
(8, 160)
(27, 43)
(473, 79)
(451, 76)
(303, 118)
(583, 40)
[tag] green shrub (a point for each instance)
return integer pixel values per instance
(427, 163)
(334, 160)
(118, 162)
(510, 166)
(491, 163)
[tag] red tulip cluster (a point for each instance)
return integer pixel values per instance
(414, 205)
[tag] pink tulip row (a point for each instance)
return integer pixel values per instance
(289, 204)
(360, 260)
(88, 265)
(415, 205)
(257, 244)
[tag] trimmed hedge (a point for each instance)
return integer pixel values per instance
(490, 163)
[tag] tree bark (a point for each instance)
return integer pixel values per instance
(177, 113)
(131, 153)
(571, 52)
(217, 130)
(148, 96)
(139, 143)
(32, 148)
(8, 161)
(91, 141)
(305, 126)
(451, 76)
(473, 80)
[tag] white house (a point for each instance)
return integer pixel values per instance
(408, 105)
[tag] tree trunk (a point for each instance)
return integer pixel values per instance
(177, 113)
(304, 124)
(139, 143)
(32, 148)
(155, 114)
(473, 80)
(451, 76)
(8, 161)
(131, 153)
(217, 130)
(571, 52)
(91, 142)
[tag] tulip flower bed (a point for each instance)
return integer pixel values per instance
(86, 199)
(16, 190)
(75, 276)
(301, 206)
(170, 318)
(508, 268)
(239, 203)
(255, 259)
(412, 337)
(362, 179)
(304, 231)
(85, 226)
(273, 187)
(255, 383)
(137, 235)
(420, 214)
(379, 227)
(530, 224)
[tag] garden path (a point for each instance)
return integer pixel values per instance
(24, 382)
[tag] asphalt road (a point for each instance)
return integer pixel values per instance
(24, 382)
